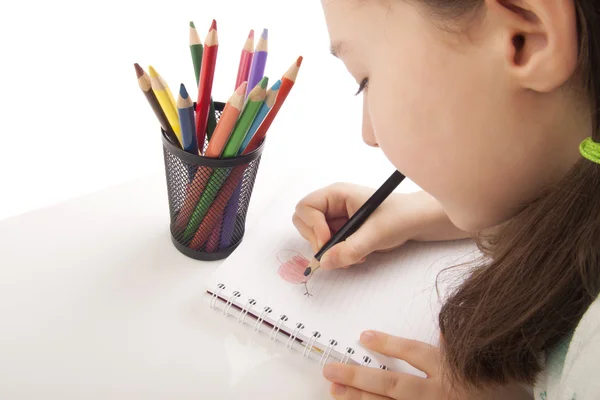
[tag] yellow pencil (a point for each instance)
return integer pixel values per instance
(164, 97)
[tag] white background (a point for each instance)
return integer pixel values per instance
(74, 120)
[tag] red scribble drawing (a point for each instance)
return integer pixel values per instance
(292, 266)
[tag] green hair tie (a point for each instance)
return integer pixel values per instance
(590, 150)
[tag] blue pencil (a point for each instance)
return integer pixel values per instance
(262, 113)
(185, 109)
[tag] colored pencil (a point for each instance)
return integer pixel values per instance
(146, 87)
(214, 213)
(245, 60)
(253, 103)
(230, 218)
(213, 241)
(207, 72)
(207, 197)
(255, 100)
(262, 113)
(231, 112)
(193, 191)
(259, 61)
(197, 51)
(287, 82)
(185, 109)
(358, 219)
(164, 100)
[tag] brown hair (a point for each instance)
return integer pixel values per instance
(542, 268)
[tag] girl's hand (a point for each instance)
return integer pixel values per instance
(400, 218)
(366, 383)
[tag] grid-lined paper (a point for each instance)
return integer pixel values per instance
(393, 292)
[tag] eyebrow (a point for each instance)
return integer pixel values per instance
(337, 49)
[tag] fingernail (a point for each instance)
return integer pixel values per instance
(338, 390)
(367, 336)
(330, 372)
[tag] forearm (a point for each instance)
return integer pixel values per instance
(431, 221)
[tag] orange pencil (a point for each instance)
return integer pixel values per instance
(287, 82)
(227, 122)
(207, 73)
(215, 212)
(215, 148)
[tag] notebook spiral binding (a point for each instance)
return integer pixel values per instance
(311, 343)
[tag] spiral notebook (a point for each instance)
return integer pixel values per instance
(262, 285)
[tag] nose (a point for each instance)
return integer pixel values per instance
(367, 127)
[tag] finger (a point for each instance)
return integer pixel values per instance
(350, 393)
(336, 223)
(351, 251)
(420, 355)
(315, 220)
(384, 383)
(306, 232)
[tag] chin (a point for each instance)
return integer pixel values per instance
(471, 221)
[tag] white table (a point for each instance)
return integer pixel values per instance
(96, 303)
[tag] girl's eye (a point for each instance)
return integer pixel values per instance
(363, 85)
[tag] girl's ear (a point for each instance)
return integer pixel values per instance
(540, 40)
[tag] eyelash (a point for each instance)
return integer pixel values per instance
(363, 85)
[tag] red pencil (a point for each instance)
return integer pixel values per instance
(245, 60)
(209, 61)
(287, 82)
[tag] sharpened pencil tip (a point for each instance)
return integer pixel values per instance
(241, 90)
(138, 70)
(299, 61)
(153, 72)
(276, 85)
(307, 271)
(264, 82)
(182, 92)
(213, 26)
(265, 34)
(192, 25)
(251, 34)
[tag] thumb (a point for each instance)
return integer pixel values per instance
(351, 251)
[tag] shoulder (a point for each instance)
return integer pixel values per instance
(579, 378)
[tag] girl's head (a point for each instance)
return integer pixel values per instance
(476, 101)
(483, 103)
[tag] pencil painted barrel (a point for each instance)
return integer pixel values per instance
(203, 224)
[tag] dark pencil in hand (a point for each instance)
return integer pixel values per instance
(358, 219)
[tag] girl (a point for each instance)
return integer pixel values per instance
(486, 105)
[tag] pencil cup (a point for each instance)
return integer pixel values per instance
(208, 199)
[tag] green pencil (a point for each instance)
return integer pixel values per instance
(255, 100)
(197, 51)
(218, 177)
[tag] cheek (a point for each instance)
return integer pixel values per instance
(436, 126)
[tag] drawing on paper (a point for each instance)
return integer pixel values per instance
(291, 269)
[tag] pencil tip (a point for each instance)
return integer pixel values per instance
(264, 82)
(277, 85)
(182, 92)
(213, 26)
(265, 34)
(192, 25)
(138, 70)
(251, 34)
(307, 271)
(241, 90)
(153, 72)
(299, 61)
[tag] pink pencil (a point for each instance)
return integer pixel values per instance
(245, 60)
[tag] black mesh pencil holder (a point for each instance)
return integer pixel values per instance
(208, 199)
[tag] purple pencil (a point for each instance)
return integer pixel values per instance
(259, 61)
(230, 218)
